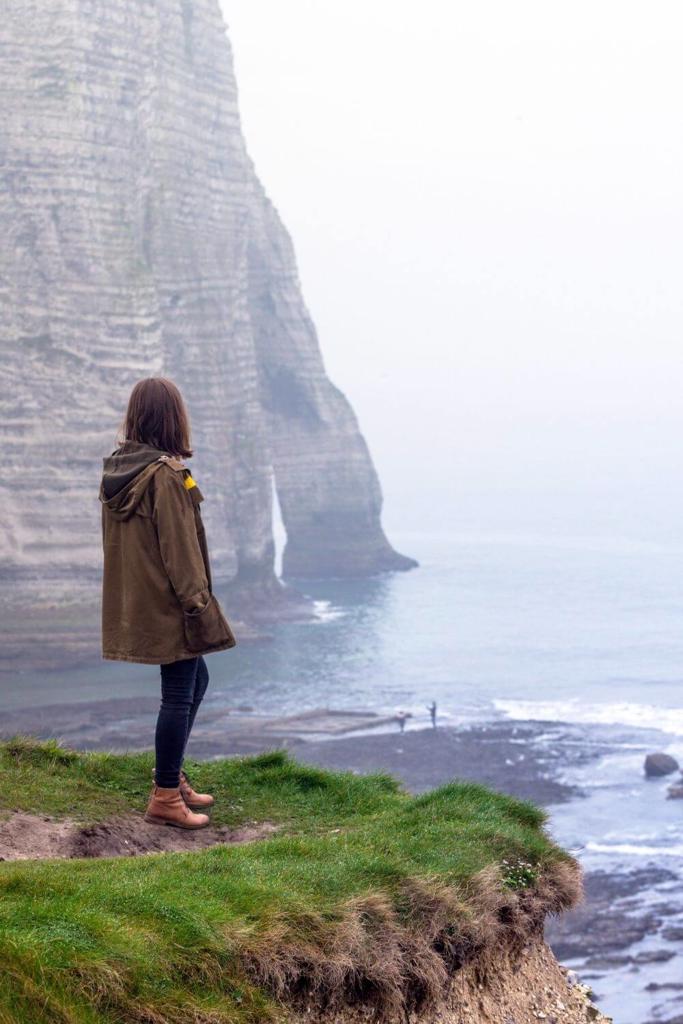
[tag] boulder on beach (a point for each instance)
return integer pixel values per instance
(660, 764)
(675, 792)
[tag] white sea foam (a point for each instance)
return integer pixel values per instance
(643, 716)
(324, 611)
(636, 850)
(636, 837)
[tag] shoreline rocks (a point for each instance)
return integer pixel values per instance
(660, 764)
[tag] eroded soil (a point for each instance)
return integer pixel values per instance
(36, 837)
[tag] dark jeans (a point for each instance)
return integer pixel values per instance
(183, 685)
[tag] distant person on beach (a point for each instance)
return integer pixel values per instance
(401, 717)
(432, 713)
(157, 601)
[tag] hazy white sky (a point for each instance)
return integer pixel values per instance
(486, 204)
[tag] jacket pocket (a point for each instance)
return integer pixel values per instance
(207, 628)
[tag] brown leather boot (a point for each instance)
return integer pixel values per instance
(197, 801)
(167, 807)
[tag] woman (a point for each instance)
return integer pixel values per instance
(157, 601)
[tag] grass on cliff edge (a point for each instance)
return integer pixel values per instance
(365, 893)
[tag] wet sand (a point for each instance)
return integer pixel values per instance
(504, 756)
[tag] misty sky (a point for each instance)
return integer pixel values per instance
(485, 201)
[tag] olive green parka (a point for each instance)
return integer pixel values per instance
(157, 600)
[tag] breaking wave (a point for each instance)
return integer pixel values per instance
(638, 716)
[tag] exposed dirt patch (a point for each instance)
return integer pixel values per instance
(515, 988)
(35, 837)
(25, 836)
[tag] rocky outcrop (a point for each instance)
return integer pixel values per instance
(327, 487)
(137, 240)
(659, 764)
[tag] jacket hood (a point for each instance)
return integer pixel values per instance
(124, 479)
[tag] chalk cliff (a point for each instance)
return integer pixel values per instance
(138, 240)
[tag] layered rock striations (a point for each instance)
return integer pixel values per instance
(137, 240)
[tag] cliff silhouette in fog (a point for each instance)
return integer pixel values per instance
(137, 240)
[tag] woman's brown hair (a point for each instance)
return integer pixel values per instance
(156, 415)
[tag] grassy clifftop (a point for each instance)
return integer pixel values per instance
(363, 894)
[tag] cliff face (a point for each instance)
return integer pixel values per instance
(527, 987)
(137, 240)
